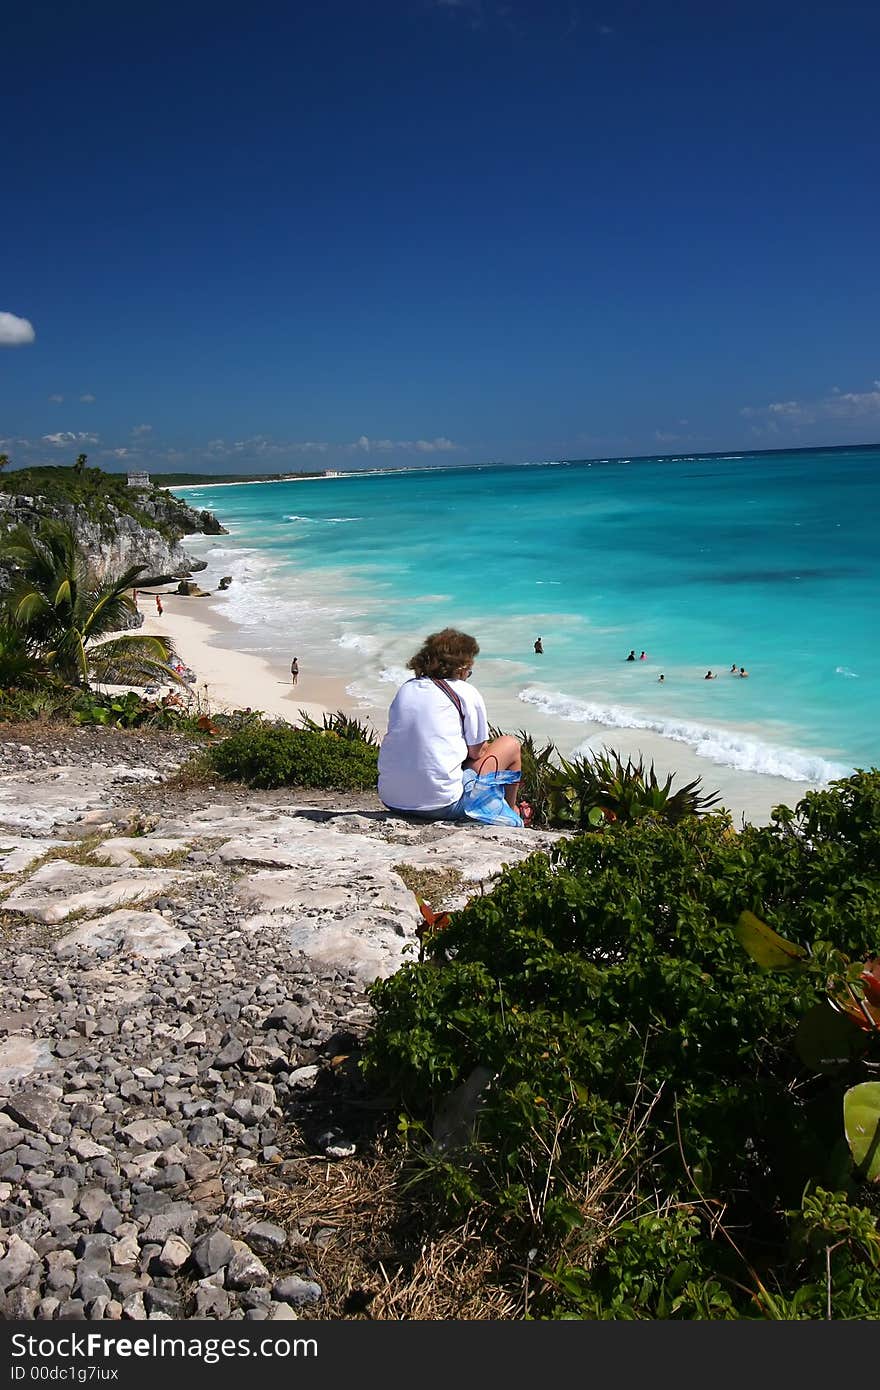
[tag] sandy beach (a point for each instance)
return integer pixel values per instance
(227, 678)
(205, 640)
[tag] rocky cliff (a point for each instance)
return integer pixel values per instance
(116, 525)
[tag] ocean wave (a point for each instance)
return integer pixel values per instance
(358, 642)
(394, 675)
(845, 671)
(320, 520)
(362, 693)
(221, 552)
(727, 747)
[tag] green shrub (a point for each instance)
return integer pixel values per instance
(283, 756)
(67, 704)
(605, 991)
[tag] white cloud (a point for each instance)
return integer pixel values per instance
(14, 332)
(432, 446)
(440, 445)
(141, 429)
(87, 399)
(56, 400)
(115, 453)
(837, 405)
(69, 437)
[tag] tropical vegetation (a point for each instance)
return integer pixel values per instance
(660, 1044)
(278, 755)
(57, 616)
(103, 497)
(590, 790)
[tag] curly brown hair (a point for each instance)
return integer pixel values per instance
(444, 654)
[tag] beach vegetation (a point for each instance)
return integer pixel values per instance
(282, 756)
(598, 788)
(646, 1105)
(20, 666)
(101, 497)
(343, 725)
(65, 613)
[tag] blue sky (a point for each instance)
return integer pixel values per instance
(349, 233)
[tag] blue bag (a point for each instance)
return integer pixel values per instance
(485, 800)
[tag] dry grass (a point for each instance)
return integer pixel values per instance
(435, 886)
(370, 1249)
(194, 774)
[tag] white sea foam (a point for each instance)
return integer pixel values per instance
(845, 671)
(727, 747)
(358, 642)
(320, 520)
(394, 675)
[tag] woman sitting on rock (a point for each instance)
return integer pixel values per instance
(437, 742)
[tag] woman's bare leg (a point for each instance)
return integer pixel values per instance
(508, 753)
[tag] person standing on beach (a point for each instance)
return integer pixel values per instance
(294, 671)
(159, 609)
(539, 647)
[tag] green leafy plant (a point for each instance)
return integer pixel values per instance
(342, 725)
(65, 613)
(277, 756)
(622, 791)
(608, 971)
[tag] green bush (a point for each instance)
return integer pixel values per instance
(283, 756)
(605, 991)
(67, 704)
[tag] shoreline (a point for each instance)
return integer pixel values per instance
(227, 677)
(207, 641)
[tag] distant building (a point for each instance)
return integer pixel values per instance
(138, 480)
(331, 473)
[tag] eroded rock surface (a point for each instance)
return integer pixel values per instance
(155, 1049)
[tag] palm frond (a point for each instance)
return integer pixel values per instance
(128, 660)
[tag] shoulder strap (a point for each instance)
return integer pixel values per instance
(452, 695)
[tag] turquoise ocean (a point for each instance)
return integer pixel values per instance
(767, 561)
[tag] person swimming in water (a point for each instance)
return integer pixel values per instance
(539, 646)
(743, 671)
(632, 655)
(710, 676)
(644, 656)
(661, 678)
(733, 669)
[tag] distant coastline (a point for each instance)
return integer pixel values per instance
(170, 481)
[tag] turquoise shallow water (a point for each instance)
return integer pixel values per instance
(766, 561)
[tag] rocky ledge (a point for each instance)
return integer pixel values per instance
(185, 972)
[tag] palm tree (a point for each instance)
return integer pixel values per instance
(64, 610)
(4, 461)
(80, 464)
(20, 664)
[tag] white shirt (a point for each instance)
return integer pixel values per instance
(421, 754)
